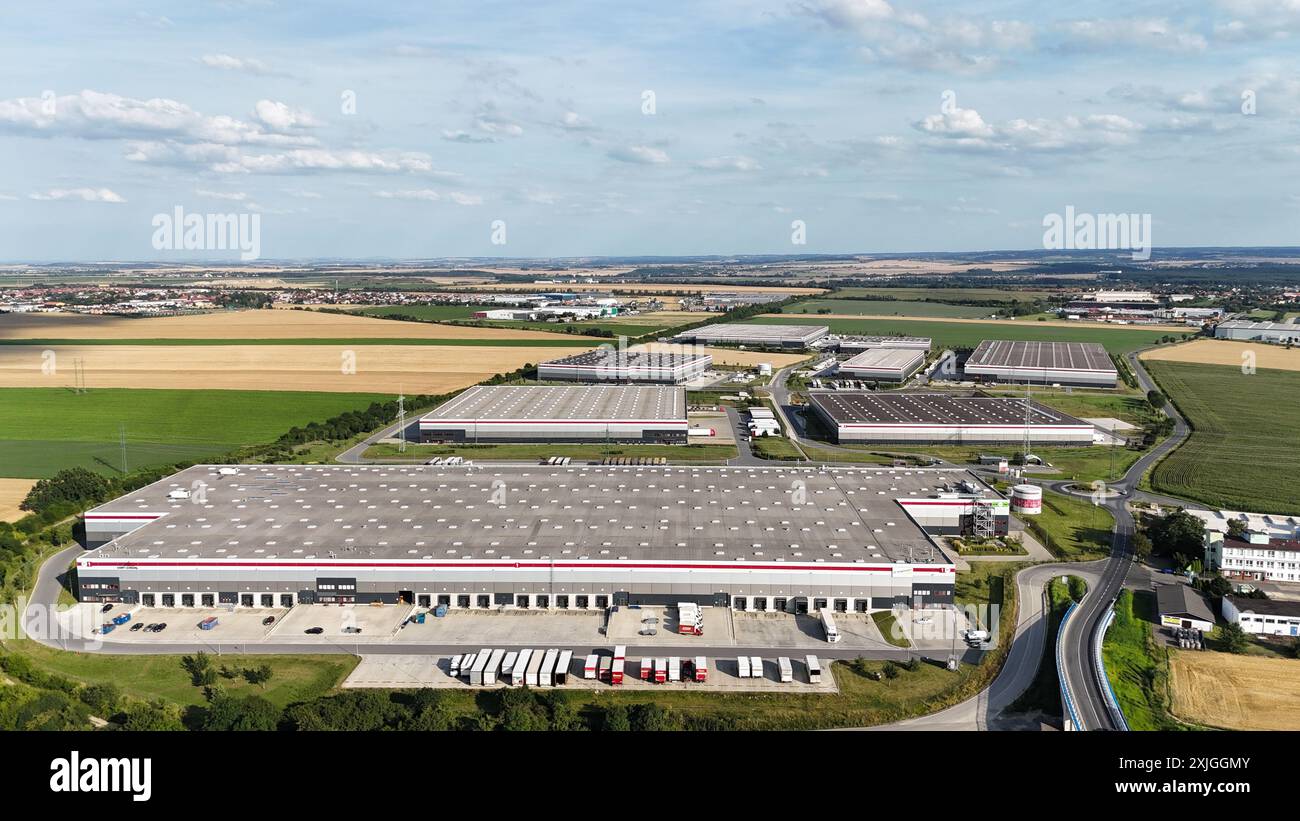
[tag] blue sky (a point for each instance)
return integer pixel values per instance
(882, 126)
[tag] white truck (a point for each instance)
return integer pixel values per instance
(814, 669)
(743, 663)
(493, 666)
(674, 668)
(546, 675)
(828, 624)
(480, 664)
(755, 667)
(787, 669)
(521, 667)
(562, 667)
(591, 666)
(533, 674)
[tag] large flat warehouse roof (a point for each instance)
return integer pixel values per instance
(253, 513)
(569, 402)
(1081, 356)
(935, 409)
(629, 358)
(893, 359)
(750, 332)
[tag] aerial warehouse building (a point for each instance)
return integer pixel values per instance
(631, 365)
(857, 344)
(884, 365)
(943, 418)
(579, 413)
(790, 337)
(479, 538)
(1280, 333)
(1085, 364)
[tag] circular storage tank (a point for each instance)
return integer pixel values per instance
(1027, 500)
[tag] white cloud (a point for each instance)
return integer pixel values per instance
(279, 116)
(228, 62)
(459, 136)
(465, 199)
(642, 154)
(574, 121)
(1156, 33)
(232, 196)
(729, 163)
(426, 194)
(966, 129)
(83, 194)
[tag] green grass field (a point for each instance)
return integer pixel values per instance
(43, 430)
(1074, 530)
(1136, 667)
(1246, 428)
(460, 315)
(887, 308)
(1000, 294)
(969, 335)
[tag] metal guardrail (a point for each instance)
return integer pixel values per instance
(1066, 700)
(1103, 680)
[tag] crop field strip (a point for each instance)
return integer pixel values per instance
(1246, 432)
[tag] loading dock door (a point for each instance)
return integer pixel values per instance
(424, 600)
(406, 597)
(779, 605)
(801, 606)
(841, 605)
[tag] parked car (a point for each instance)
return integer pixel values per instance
(106, 608)
(351, 629)
(648, 631)
(268, 621)
(137, 626)
(315, 631)
(157, 628)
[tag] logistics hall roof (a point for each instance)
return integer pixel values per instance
(547, 403)
(896, 359)
(935, 409)
(746, 331)
(629, 358)
(1089, 356)
(426, 512)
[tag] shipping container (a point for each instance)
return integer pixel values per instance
(743, 663)
(605, 670)
(786, 669)
(546, 675)
(755, 667)
(701, 668)
(661, 670)
(590, 666)
(828, 624)
(480, 664)
(647, 669)
(533, 676)
(674, 669)
(814, 669)
(493, 667)
(562, 667)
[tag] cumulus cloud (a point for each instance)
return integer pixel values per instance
(228, 62)
(1108, 34)
(460, 136)
(640, 154)
(279, 116)
(82, 194)
(966, 129)
(429, 195)
(729, 163)
(232, 196)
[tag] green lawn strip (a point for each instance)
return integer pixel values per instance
(970, 334)
(776, 447)
(147, 677)
(1136, 665)
(887, 308)
(1073, 530)
(509, 451)
(509, 342)
(1242, 424)
(953, 294)
(888, 626)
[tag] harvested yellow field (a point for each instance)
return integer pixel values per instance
(1235, 692)
(727, 356)
(1228, 352)
(647, 288)
(268, 324)
(12, 492)
(361, 368)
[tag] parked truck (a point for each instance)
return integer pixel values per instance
(562, 667)
(786, 669)
(590, 666)
(647, 669)
(493, 667)
(476, 672)
(742, 663)
(690, 619)
(453, 666)
(674, 668)
(605, 670)
(207, 624)
(616, 670)
(661, 670)
(701, 669)
(755, 667)
(533, 676)
(828, 624)
(546, 675)
(520, 669)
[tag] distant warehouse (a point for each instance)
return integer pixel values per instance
(1042, 363)
(580, 413)
(1278, 332)
(852, 344)
(630, 365)
(940, 418)
(759, 336)
(884, 364)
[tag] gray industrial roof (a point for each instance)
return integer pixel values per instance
(935, 409)
(1180, 599)
(1266, 607)
(1054, 355)
(883, 341)
(546, 402)
(893, 358)
(1241, 324)
(630, 357)
(747, 331)
(540, 512)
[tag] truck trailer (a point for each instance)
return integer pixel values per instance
(828, 624)
(520, 669)
(562, 667)
(591, 666)
(701, 668)
(493, 667)
(533, 676)
(814, 669)
(755, 667)
(786, 669)
(742, 663)
(546, 675)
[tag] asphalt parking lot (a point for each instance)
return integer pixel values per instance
(496, 629)
(375, 622)
(626, 624)
(795, 631)
(237, 626)
(432, 671)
